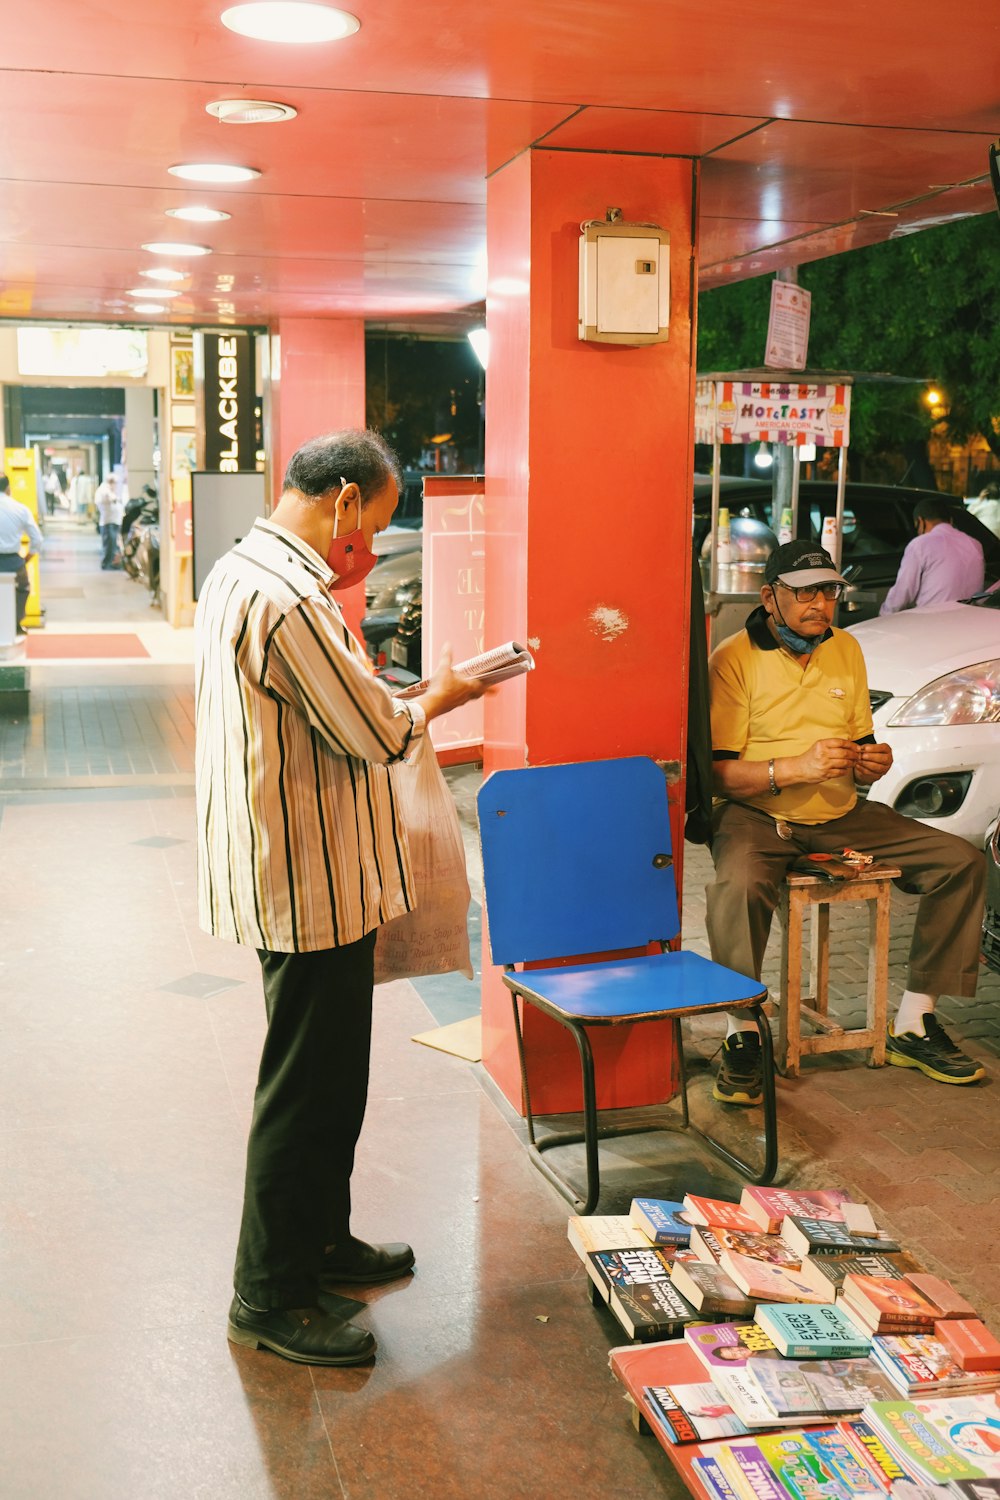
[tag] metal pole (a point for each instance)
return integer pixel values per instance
(713, 574)
(841, 491)
(796, 475)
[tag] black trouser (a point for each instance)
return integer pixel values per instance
(308, 1110)
(13, 562)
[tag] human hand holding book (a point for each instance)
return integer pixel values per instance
(485, 671)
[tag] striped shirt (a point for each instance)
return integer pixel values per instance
(300, 842)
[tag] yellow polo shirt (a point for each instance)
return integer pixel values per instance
(764, 705)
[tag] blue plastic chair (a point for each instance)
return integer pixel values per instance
(577, 859)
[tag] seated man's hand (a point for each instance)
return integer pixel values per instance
(828, 759)
(873, 761)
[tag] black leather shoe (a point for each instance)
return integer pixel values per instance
(359, 1262)
(303, 1334)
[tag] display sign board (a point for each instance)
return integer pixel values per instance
(226, 388)
(454, 567)
(761, 411)
(788, 326)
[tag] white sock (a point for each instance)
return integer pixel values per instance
(912, 1009)
(740, 1022)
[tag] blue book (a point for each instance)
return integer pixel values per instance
(660, 1221)
(811, 1331)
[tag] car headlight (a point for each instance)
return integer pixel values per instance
(969, 696)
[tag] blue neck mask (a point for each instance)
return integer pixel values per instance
(800, 644)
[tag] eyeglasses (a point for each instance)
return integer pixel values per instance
(807, 595)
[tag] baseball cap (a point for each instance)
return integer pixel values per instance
(800, 564)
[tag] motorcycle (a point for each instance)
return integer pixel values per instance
(139, 515)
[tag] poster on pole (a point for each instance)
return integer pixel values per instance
(772, 411)
(788, 326)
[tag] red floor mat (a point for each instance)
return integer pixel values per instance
(82, 647)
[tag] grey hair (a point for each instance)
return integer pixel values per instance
(355, 455)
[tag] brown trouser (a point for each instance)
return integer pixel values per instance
(948, 874)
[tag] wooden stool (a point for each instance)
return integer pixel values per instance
(801, 892)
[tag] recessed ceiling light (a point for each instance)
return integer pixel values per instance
(197, 213)
(143, 291)
(176, 247)
(250, 111)
(290, 21)
(148, 307)
(212, 171)
(163, 273)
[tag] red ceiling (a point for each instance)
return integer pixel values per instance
(819, 131)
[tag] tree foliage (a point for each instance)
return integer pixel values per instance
(925, 305)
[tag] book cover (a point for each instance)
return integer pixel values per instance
(691, 1413)
(711, 1476)
(922, 1362)
(970, 1341)
(819, 1387)
(709, 1289)
(871, 1448)
(971, 1424)
(884, 1301)
(975, 1489)
(941, 1295)
(767, 1206)
(628, 1262)
(649, 1309)
(659, 1219)
(926, 1453)
(809, 1236)
(818, 1465)
(717, 1212)
(763, 1282)
(818, 1332)
(826, 1273)
(603, 1232)
(748, 1401)
(766, 1247)
(748, 1471)
(727, 1345)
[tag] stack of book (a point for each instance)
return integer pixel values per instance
(804, 1355)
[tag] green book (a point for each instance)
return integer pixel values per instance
(811, 1331)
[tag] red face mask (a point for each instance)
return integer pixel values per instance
(349, 556)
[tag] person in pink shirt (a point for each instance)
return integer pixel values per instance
(940, 565)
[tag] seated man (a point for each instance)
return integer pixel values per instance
(792, 741)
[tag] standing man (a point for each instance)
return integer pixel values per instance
(109, 518)
(302, 855)
(792, 742)
(940, 565)
(16, 522)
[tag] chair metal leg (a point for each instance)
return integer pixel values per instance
(765, 1174)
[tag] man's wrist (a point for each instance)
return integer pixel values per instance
(772, 784)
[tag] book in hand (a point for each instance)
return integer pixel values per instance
(762, 1282)
(718, 1212)
(806, 1388)
(886, 1305)
(768, 1206)
(808, 1236)
(711, 1241)
(691, 1413)
(826, 1273)
(709, 1289)
(491, 667)
(821, 1332)
(970, 1342)
(941, 1438)
(660, 1221)
(921, 1363)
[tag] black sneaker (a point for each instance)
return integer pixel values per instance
(740, 1077)
(934, 1054)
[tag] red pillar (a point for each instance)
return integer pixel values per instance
(588, 524)
(317, 386)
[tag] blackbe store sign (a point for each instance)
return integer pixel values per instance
(228, 396)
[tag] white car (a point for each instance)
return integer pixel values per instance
(934, 679)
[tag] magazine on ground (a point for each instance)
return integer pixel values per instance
(491, 667)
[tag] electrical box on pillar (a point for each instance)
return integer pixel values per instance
(624, 281)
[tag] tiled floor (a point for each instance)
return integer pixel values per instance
(126, 1074)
